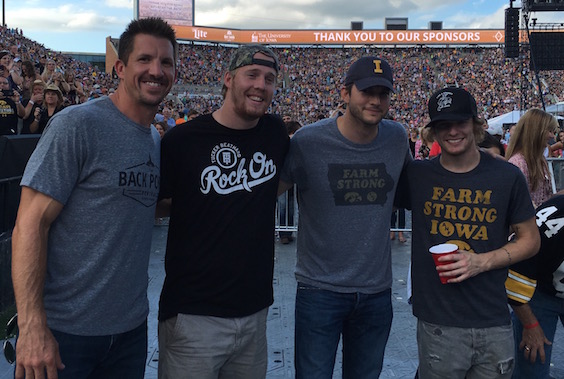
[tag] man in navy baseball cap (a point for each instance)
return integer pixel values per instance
(346, 170)
(369, 72)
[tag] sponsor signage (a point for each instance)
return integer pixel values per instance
(341, 37)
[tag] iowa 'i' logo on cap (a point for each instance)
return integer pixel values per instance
(377, 66)
(444, 100)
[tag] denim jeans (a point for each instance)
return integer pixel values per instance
(119, 356)
(464, 353)
(398, 217)
(364, 320)
(547, 309)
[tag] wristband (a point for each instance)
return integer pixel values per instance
(31, 102)
(531, 326)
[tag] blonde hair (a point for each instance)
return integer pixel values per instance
(529, 137)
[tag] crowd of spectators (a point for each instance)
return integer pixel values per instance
(310, 77)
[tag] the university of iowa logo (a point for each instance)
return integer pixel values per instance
(141, 182)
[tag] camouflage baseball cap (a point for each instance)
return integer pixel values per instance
(244, 56)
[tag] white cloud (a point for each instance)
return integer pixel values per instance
(64, 18)
(473, 20)
(315, 14)
(126, 4)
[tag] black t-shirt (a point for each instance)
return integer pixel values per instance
(44, 118)
(29, 120)
(473, 210)
(8, 117)
(223, 184)
(547, 267)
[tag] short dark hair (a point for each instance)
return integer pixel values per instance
(492, 141)
(292, 127)
(152, 26)
(164, 125)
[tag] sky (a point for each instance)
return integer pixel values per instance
(82, 26)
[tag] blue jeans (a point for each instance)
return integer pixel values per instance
(364, 320)
(447, 352)
(119, 356)
(547, 309)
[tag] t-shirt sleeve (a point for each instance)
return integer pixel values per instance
(55, 166)
(287, 174)
(402, 198)
(167, 171)
(521, 281)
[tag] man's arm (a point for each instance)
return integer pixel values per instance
(36, 350)
(163, 208)
(283, 187)
(466, 265)
(533, 335)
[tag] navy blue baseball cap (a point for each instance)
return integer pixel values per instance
(369, 72)
(451, 104)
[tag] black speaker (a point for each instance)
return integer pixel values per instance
(547, 50)
(512, 32)
(357, 25)
(543, 5)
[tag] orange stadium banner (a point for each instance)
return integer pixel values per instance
(342, 37)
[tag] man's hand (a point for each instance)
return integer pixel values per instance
(464, 265)
(37, 98)
(37, 354)
(532, 344)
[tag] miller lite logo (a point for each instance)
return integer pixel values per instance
(444, 100)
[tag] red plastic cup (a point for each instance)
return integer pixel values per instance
(441, 250)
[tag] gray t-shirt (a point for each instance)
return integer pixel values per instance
(345, 195)
(104, 169)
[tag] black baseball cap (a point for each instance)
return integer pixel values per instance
(451, 104)
(245, 56)
(369, 72)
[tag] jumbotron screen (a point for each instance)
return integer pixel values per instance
(175, 12)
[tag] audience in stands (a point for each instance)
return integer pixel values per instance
(308, 82)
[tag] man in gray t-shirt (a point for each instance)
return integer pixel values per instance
(346, 170)
(82, 238)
